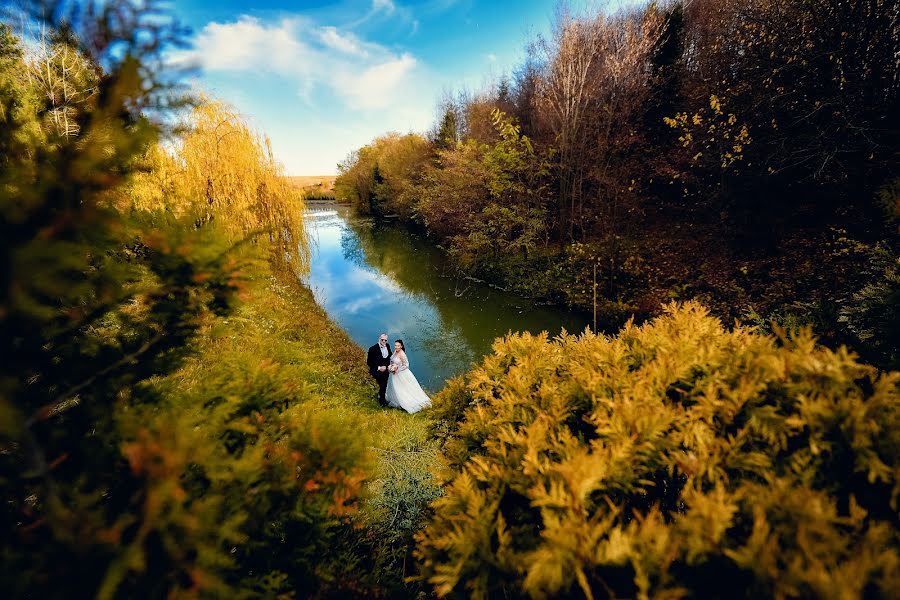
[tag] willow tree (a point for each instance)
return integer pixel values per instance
(223, 171)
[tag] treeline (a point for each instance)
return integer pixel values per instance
(741, 152)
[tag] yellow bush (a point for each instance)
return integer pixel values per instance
(676, 459)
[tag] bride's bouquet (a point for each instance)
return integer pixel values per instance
(392, 368)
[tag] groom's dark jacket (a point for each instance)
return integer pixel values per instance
(375, 360)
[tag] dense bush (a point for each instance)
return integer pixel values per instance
(676, 459)
(128, 467)
(872, 314)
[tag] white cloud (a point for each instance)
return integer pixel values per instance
(343, 42)
(248, 44)
(387, 6)
(491, 57)
(379, 85)
(340, 89)
(364, 75)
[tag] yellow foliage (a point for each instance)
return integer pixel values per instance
(676, 459)
(732, 137)
(222, 171)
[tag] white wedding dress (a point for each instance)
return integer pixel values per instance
(403, 390)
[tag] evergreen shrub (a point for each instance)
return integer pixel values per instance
(676, 459)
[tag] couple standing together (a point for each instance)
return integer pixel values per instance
(397, 386)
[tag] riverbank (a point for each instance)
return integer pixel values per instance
(278, 339)
(373, 276)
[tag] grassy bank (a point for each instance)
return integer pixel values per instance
(279, 336)
(313, 187)
(280, 326)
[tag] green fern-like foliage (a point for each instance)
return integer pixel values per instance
(677, 459)
(872, 314)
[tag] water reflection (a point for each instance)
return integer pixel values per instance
(372, 278)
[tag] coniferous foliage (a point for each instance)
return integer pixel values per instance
(91, 305)
(676, 459)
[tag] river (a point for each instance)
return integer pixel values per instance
(372, 277)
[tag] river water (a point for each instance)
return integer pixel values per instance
(372, 277)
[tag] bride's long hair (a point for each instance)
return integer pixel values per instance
(402, 347)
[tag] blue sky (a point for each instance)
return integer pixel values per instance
(323, 77)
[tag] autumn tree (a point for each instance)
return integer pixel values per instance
(814, 81)
(453, 190)
(223, 171)
(354, 181)
(567, 90)
(524, 96)
(400, 160)
(622, 75)
(63, 76)
(478, 117)
(703, 148)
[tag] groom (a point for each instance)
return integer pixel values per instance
(378, 360)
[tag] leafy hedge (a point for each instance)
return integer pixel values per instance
(677, 459)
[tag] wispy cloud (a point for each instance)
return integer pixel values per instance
(386, 5)
(382, 8)
(345, 42)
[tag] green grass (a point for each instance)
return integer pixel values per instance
(280, 337)
(279, 325)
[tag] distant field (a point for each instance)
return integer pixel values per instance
(313, 187)
(302, 182)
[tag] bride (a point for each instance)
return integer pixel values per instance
(403, 390)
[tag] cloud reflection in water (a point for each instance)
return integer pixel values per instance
(371, 279)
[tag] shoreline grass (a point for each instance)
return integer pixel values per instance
(279, 335)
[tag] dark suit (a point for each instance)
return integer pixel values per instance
(375, 360)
